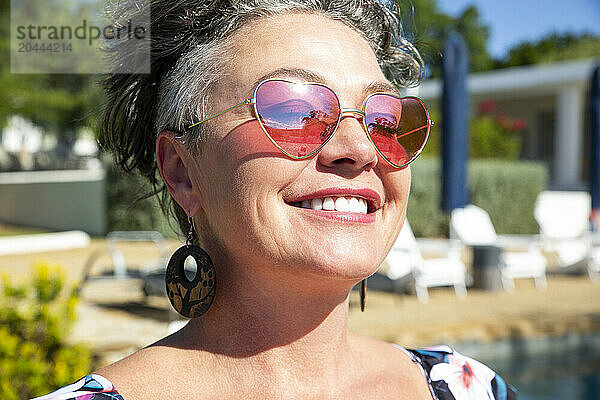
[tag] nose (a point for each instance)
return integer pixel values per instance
(350, 148)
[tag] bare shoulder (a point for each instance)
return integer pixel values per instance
(393, 365)
(142, 375)
(382, 352)
(138, 373)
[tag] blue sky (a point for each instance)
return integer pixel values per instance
(513, 21)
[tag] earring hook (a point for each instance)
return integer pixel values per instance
(190, 236)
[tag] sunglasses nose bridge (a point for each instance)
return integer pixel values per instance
(348, 146)
(354, 111)
(357, 113)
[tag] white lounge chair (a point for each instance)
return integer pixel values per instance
(473, 226)
(405, 259)
(563, 220)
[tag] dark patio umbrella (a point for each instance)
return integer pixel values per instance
(595, 145)
(455, 113)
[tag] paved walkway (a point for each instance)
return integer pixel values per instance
(568, 305)
(115, 318)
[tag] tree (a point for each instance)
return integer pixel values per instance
(554, 47)
(60, 103)
(428, 28)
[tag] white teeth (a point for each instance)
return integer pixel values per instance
(341, 204)
(363, 205)
(354, 205)
(317, 204)
(328, 204)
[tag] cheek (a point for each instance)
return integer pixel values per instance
(397, 186)
(246, 142)
(404, 184)
(234, 162)
(243, 173)
(252, 169)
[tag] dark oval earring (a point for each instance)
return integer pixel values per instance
(190, 298)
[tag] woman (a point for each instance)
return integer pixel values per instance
(293, 196)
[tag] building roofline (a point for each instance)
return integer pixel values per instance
(536, 78)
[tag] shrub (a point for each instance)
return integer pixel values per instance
(35, 319)
(127, 207)
(506, 190)
(491, 134)
(492, 138)
(424, 214)
(434, 142)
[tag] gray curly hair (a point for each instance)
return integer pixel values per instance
(188, 49)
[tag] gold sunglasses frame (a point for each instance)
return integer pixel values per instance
(356, 111)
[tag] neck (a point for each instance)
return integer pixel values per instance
(258, 313)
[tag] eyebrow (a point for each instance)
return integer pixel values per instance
(299, 73)
(312, 76)
(381, 86)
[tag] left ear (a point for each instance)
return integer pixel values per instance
(173, 159)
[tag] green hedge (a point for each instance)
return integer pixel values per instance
(505, 189)
(127, 209)
(490, 136)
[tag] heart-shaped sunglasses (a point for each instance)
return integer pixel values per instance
(301, 117)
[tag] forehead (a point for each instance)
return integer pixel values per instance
(323, 50)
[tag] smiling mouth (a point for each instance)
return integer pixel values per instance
(350, 204)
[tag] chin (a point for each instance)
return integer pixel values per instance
(351, 263)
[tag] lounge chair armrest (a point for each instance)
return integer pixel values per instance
(520, 242)
(439, 247)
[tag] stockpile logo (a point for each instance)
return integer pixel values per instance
(79, 36)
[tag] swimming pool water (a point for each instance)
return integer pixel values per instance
(572, 374)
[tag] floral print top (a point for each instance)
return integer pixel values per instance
(450, 375)
(91, 387)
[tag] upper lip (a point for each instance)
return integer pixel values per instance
(371, 196)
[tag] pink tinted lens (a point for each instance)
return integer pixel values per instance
(398, 126)
(298, 117)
